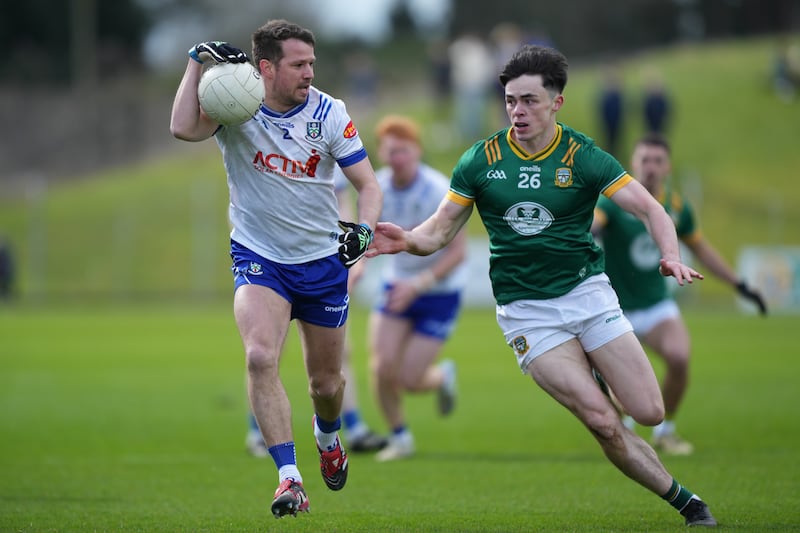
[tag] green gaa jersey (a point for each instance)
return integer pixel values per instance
(632, 257)
(537, 210)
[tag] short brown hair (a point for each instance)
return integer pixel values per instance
(399, 126)
(268, 38)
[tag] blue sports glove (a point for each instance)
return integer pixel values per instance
(218, 52)
(355, 241)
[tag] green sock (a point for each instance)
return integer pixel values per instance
(678, 496)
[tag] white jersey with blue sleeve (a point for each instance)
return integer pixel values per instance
(280, 169)
(408, 208)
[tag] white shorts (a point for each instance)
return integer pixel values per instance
(644, 320)
(590, 313)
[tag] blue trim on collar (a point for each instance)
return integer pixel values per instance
(293, 111)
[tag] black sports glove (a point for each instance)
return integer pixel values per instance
(218, 52)
(749, 294)
(355, 241)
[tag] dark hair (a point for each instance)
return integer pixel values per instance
(654, 139)
(268, 38)
(534, 59)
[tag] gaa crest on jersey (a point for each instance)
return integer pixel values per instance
(255, 269)
(563, 177)
(528, 218)
(520, 345)
(313, 131)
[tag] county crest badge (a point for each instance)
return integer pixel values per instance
(520, 345)
(255, 269)
(313, 131)
(563, 177)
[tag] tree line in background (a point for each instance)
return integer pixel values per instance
(49, 41)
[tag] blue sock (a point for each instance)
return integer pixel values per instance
(351, 419)
(283, 454)
(329, 427)
(399, 430)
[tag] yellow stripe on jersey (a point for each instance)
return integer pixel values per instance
(492, 149)
(601, 217)
(569, 157)
(456, 198)
(692, 238)
(617, 185)
(538, 156)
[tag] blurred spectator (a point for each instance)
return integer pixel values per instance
(6, 270)
(362, 79)
(610, 105)
(440, 69)
(786, 70)
(656, 104)
(506, 38)
(472, 72)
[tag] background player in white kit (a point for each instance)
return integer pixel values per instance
(421, 296)
(285, 237)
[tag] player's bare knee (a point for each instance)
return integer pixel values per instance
(605, 425)
(385, 372)
(649, 414)
(676, 359)
(325, 386)
(260, 361)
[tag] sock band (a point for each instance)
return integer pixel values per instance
(329, 427)
(678, 496)
(283, 454)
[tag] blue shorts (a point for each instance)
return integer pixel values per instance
(433, 315)
(317, 290)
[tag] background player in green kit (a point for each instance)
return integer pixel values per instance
(632, 265)
(535, 186)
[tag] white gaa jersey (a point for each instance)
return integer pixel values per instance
(408, 208)
(280, 170)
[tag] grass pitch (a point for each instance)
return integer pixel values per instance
(133, 419)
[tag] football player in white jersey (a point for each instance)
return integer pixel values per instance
(421, 296)
(290, 257)
(358, 436)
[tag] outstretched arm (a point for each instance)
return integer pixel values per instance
(635, 199)
(711, 258)
(435, 233)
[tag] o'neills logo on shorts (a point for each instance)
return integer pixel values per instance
(520, 344)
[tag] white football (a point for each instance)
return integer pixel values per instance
(231, 93)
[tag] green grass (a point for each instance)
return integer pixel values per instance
(132, 418)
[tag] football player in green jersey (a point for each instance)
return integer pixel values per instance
(535, 185)
(632, 265)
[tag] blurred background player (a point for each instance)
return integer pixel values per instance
(357, 434)
(632, 261)
(421, 296)
(290, 257)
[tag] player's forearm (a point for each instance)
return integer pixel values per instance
(186, 121)
(370, 202)
(662, 229)
(714, 262)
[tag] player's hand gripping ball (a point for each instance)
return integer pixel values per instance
(231, 93)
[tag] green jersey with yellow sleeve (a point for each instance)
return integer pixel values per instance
(632, 257)
(537, 210)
